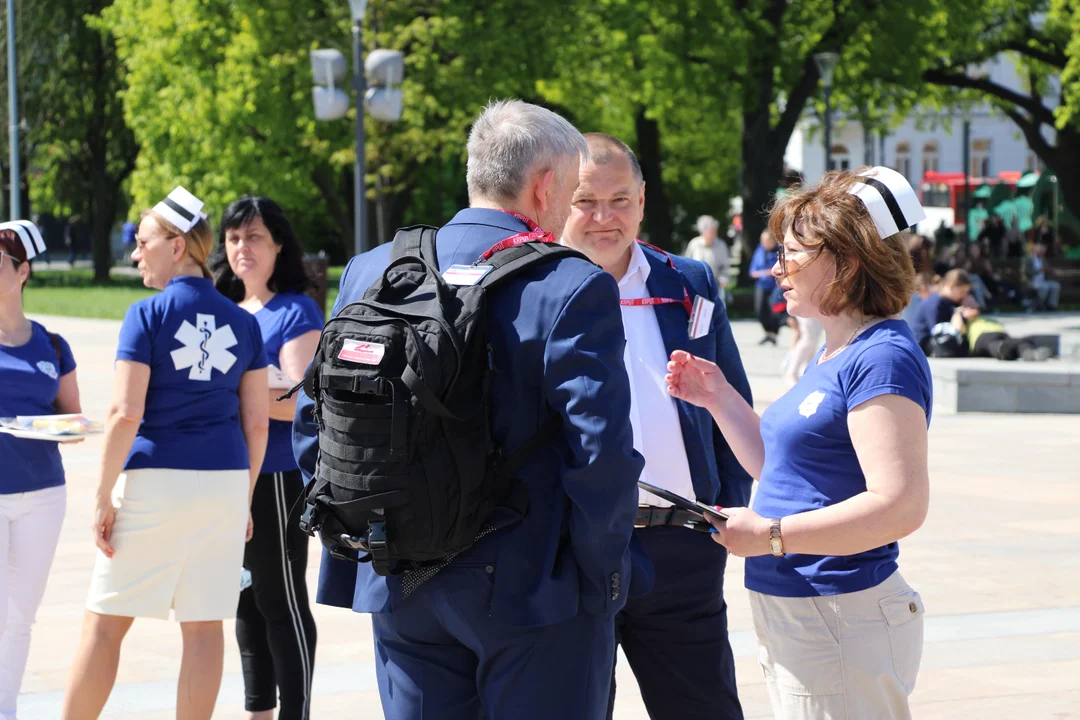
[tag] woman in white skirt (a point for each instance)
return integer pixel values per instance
(841, 459)
(185, 436)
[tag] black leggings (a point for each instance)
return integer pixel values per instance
(274, 626)
(999, 345)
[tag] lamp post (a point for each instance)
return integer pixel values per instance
(358, 8)
(383, 100)
(967, 174)
(826, 62)
(13, 114)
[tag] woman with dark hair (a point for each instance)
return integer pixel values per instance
(37, 377)
(259, 265)
(841, 458)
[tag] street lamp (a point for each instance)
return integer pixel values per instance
(357, 8)
(383, 100)
(13, 114)
(826, 62)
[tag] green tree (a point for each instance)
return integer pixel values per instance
(1042, 37)
(78, 149)
(646, 72)
(779, 78)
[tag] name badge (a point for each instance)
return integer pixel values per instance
(701, 317)
(466, 274)
(366, 353)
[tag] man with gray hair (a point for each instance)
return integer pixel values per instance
(521, 625)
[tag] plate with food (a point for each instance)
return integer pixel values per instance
(55, 428)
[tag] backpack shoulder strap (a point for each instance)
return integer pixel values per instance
(512, 261)
(415, 241)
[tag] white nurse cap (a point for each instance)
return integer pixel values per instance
(889, 199)
(29, 234)
(181, 208)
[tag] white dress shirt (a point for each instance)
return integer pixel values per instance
(653, 414)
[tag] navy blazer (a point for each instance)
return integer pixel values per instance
(558, 341)
(718, 477)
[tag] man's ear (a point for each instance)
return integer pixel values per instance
(542, 187)
(641, 201)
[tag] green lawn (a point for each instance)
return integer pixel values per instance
(74, 293)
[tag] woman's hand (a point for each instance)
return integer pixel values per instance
(250, 527)
(744, 533)
(104, 518)
(694, 380)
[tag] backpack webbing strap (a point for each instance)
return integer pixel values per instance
(427, 398)
(547, 433)
(510, 262)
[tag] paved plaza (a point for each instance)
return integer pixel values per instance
(997, 563)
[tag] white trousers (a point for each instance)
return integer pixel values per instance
(29, 531)
(841, 657)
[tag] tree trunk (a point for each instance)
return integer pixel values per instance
(763, 168)
(658, 222)
(1065, 168)
(102, 215)
(339, 211)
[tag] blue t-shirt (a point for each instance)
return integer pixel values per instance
(286, 317)
(29, 380)
(810, 462)
(931, 311)
(763, 259)
(198, 345)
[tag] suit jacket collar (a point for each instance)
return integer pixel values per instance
(489, 217)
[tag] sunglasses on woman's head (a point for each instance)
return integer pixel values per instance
(15, 262)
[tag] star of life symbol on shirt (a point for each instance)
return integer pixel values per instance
(809, 406)
(206, 347)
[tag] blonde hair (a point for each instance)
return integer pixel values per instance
(198, 241)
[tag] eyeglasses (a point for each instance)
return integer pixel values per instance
(15, 262)
(782, 255)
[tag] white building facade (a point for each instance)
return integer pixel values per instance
(926, 140)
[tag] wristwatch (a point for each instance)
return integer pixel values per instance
(776, 542)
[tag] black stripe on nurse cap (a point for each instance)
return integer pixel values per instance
(30, 236)
(890, 200)
(181, 208)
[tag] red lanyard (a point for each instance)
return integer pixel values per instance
(535, 234)
(640, 302)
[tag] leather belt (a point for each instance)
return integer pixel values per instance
(648, 516)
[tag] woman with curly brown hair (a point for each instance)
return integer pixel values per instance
(841, 459)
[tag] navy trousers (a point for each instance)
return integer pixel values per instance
(440, 656)
(676, 637)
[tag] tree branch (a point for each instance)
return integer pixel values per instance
(1034, 138)
(1038, 111)
(1056, 58)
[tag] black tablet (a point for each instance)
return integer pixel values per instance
(682, 503)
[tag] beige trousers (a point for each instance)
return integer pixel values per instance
(841, 657)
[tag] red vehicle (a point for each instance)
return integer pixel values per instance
(946, 190)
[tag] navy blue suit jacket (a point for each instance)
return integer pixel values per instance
(718, 477)
(558, 341)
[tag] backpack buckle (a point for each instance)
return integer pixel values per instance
(369, 386)
(376, 538)
(308, 522)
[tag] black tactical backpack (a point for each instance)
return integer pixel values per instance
(407, 473)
